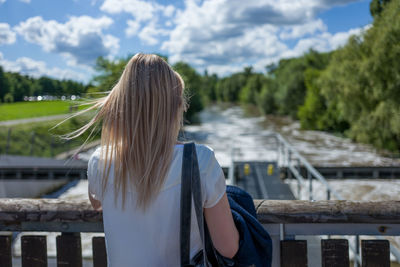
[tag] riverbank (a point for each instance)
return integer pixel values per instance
(40, 139)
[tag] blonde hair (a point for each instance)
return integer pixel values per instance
(141, 118)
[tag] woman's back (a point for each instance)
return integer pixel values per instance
(137, 237)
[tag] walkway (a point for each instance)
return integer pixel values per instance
(36, 119)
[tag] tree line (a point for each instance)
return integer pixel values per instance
(15, 86)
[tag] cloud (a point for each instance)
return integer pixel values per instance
(140, 10)
(37, 69)
(80, 39)
(143, 13)
(214, 34)
(7, 36)
(150, 32)
(297, 31)
(25, 1)
(325, 41)
(133, 27)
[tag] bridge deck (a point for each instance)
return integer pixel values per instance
(261, 180)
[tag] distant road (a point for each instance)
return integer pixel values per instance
(37, 119)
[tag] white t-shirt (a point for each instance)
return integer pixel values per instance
(151, 238)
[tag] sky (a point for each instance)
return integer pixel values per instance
(63, 38)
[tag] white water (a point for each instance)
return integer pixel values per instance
(226, 129)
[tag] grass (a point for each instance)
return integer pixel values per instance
(23, 110)
(37, 139)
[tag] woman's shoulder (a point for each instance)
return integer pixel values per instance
(201, 149)
(204, 153)
(95, 156)
(204, 149)
(205, 156)
(94, 159)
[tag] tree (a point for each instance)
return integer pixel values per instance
(4, 84)
(209, 83)
(363, 80)
(193, 86)
(288, 75)
(266, 101)
(251, 91)
(376, 7)
(228, 88)
(108, 72)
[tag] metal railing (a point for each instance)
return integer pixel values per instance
(289, 157)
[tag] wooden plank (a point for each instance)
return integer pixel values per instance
(294, 253)
(375, 253)
(21, 211)
(328, 211)
(69, 250)
(99, 252)
(5, 251)
(33, 251)
(335, 253)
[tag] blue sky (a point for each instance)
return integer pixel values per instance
(62, 39)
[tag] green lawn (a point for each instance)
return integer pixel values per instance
(22, 110)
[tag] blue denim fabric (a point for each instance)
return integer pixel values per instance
(255, 247)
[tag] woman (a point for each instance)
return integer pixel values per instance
(135, 175)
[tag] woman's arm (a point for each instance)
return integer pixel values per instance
(222, 228)
(96, 204)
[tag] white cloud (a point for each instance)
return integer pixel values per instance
(324, 42)
(2, 1)
(140, 10)
(214, 34)
(36, 69)
(144, 13)
(297, 31)
(81, 39)
(168, 10)
(133, 27)
(7, 36)
(25, 1)
(150, 33)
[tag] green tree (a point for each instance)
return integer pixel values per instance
(290, 80)
(251, 91)
(266, 102)
(20, 86)
(317, 112)
(376, 7)
(228, 88)
(4, 84)
(209, 86)
(108, 72)
(363, 79)
(193, 86)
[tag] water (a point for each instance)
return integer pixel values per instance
(227, 130)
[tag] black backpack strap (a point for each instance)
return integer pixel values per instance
(197, 198)
(190, 185)
(186, 205)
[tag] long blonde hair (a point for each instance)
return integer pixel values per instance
(141, 118)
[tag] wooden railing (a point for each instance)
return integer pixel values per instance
(283, 219)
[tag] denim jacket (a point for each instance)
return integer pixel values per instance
(255, 246)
